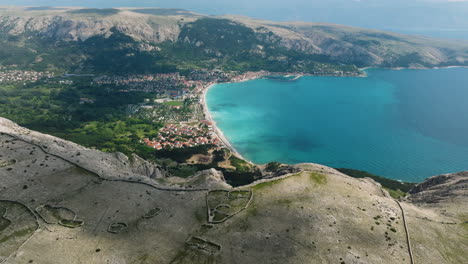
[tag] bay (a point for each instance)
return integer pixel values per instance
(406, 125)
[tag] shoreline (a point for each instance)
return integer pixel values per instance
(206, 112)
(217, 131)
(414, 68)
(262, 74)
(257, 75)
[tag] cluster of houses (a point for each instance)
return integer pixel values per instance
(183, 136)
(172, 85)
(210, 76)
(249, 76)
(7, 76)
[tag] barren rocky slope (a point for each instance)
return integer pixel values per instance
(60, 207)
(156, 26)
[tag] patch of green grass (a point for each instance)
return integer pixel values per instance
(152, 213)
(173, 103)
(143, 259)
(318, 178)
(251, 210)
(19, 233)
(240, 164)
(181, 155)
(200, 215)
(456, 252)
(183, 171)
(385, 182)
(219, 217)
(272, 182)
(464, 222)
(4, 223)
(71, 223)
(117, 228)
(465, 226)
(396, 194)
(267, 184)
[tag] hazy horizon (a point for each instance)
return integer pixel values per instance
(437, 18)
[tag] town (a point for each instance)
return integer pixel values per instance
(9, 76)
(171, 85)
(180, 104)
(173, 99)
(181, 136)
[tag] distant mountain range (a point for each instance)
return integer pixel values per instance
(439, 18)
(155, 40)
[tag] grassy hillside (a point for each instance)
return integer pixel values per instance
(396, 189)
(318, 214)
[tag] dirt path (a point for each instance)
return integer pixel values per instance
(408, 241)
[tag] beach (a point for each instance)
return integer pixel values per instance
(217, 131)
(241, 78)
(208, 117)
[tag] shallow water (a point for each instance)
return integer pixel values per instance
(406, 125)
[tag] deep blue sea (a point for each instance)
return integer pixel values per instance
(406, 125)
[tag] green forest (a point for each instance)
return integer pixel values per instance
(56, 109)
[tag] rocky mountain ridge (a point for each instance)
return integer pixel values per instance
(69, 27)
(341, 44)
(442, 189)
(60, 207)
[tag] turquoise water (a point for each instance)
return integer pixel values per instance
(406, 125)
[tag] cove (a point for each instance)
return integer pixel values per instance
(406, 125)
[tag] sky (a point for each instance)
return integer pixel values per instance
(439, 18)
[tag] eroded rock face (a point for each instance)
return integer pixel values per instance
(71, 28)
(143, 167)
(209, 179)
(441, 188)
(282, 170)
(212, 178)
(340, 43)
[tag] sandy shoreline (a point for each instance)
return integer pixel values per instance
(207, 114)
(217, 131)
